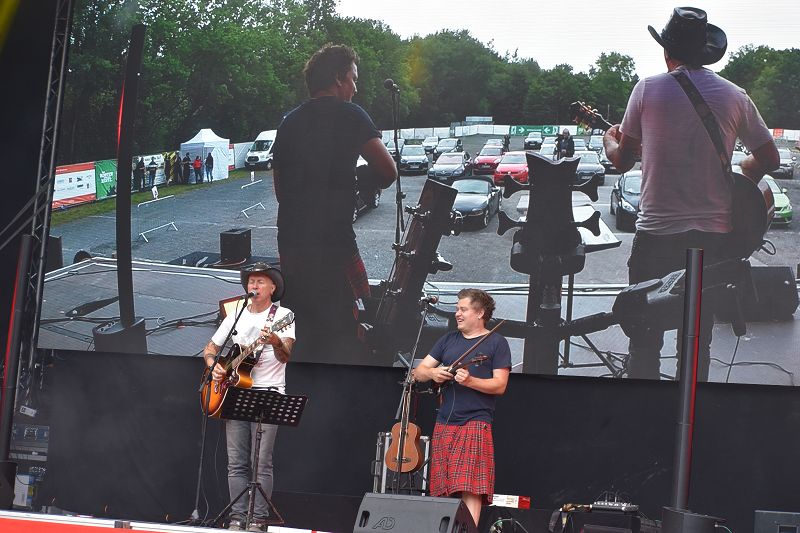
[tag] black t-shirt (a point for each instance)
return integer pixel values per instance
(315, 152)
(462, 404)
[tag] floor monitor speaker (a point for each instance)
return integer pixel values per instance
(400, 513)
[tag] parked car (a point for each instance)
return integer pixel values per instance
(487, 160)
(589, 167)
(429, 143)
(736, 157)
(392, 149)
(783, 207)
(450, 144)
(595, 143)
(625, 199)
(367, 196)
(451, 166)
(548, 150)
(513, 164)
(533, 141)
(549, 140)
(788, 160)
(477, 200)
(607, 164)
(580, 144)
(413, 158)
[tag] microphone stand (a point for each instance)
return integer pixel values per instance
(399, 196)
(195, 518)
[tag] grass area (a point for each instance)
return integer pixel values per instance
(69, 214)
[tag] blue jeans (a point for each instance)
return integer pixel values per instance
(653, 257)
(241, 437)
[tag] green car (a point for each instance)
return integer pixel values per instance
(783, 207)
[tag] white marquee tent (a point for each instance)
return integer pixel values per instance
(207, 141)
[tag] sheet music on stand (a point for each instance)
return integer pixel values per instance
(266, 406)
(262, 406)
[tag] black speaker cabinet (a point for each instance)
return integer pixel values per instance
(412, 514)
(776, 522)
(234, 245)
(682, 521)
(55, 255)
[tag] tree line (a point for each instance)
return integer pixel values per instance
(236, 66)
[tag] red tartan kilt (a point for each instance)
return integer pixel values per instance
(463, 460)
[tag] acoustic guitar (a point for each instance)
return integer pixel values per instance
(753, 203)
(238, 364)
(405, 437)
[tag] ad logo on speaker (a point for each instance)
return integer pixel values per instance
(386, 523)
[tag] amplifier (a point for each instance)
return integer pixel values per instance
(234, 245)
(385, 480)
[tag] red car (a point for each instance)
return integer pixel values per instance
(486, 161)
(513, 164)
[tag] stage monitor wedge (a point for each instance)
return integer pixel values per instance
(412, 514)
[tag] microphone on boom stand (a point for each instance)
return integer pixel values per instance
(391, 85)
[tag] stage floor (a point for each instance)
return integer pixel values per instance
(19, 522)
(180, 305)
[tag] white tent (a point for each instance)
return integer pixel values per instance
(207, 141)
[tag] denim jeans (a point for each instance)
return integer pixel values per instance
(653, 257)
(241, 437)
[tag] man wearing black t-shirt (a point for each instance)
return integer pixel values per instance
(462, 461)
(315, 153)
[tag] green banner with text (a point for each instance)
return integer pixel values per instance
(105, 175)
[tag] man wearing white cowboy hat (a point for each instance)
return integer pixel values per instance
(265, 284)
(685, 197)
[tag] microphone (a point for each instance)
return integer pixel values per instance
(251, 294)
(391, 85)
(432, 299)
(497, 527)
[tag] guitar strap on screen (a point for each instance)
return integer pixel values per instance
(708, 119)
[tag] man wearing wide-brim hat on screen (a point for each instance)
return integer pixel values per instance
(265, 286)
(686, 193)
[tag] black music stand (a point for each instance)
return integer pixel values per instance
(270, 407)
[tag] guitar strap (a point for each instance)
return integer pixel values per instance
(271, 315)
(708, 119)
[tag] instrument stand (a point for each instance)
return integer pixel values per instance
(608, 362)
(259, 406)
(408, 388)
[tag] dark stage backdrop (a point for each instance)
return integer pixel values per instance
(125, 440)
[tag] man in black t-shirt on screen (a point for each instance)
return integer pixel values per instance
(315, 153)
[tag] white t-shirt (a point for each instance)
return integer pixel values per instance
(268, 371)
(683, 186)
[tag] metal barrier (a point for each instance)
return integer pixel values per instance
(243, 188)
(155, 214)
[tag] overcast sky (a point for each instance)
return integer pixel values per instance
(577, 33)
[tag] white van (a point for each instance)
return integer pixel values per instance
(260, 154)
